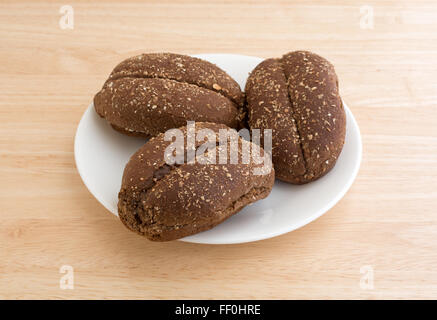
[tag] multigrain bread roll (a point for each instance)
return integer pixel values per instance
(165, 202)
(297, 97)
(150, 93)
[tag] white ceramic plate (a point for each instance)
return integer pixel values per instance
(101, 154)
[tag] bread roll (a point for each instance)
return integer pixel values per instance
(151, 93)
(165, 202)
(297, 97)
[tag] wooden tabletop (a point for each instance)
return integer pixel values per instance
(379, 241)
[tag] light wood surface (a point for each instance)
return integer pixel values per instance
(388, 220)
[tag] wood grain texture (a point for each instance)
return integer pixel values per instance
(388, 219)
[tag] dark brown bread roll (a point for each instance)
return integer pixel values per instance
(297, 97)
(151, 93)
(165, 202)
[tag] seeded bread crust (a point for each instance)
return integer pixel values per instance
(165, 202)
(147, 107)
(180, 68)
(297, 97)
(150, 93)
